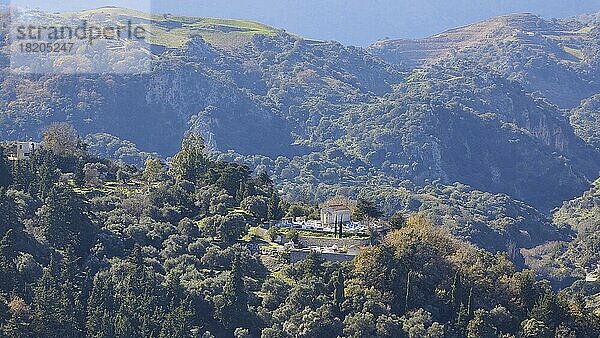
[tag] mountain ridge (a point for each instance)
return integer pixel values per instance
(327, 119)
(527, 50)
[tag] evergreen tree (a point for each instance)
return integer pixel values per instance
(231, 227)
(534, 328)
(54, 310)
(177, 323)
(229, 176)
(64, 220)
(455, 292)
(5, 170)
(142, 301)
(153, 170)
(9, 219)
(79, 172)
(190, 163)
(408, 291)
(274, 207)
(242, 191)
(4, 311)
(101, 312)
(24, 176)
(264, 183)
(397, 221)
(125, 173)
(123, 323)
(546, 310)
(72, 286)
(312, 265)
(366, 209)
(231, 307)
(462, 319)
(480, 326)
(9, 279)
(339, 292)
(46, 173)
(257, 206)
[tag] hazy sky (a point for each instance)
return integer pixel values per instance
(357, 22)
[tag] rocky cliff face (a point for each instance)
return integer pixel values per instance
(480, 130)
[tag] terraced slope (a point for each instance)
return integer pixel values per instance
(543, 55)
(172, 31)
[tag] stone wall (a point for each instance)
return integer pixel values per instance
(306, 241)
(298, 255)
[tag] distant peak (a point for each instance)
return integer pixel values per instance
(510, 27)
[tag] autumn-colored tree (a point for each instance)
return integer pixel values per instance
(62, 139)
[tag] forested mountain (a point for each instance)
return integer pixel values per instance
(586, 120)
(94, 248)
(487, 133)
(566, 261)
(554, 60)
(326, 119)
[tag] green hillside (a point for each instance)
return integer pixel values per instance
(176, 31)
(481, 142)
(564, 262)
(326, 119)
(168, 252)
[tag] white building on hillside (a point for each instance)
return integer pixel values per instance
(335, 213)
(23, 150)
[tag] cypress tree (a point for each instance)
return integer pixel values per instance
(407, 298)
(9, 280)
(64, 221)
(48, 308)
(232, 306)
(240, 194)
(469, 302)
(274, 211)
(454, 291)
(177, 323)
(5, 170)
(339, 292)
(462, 319)
(71, 292)
(264, 182)
(101, 312)
(46, 173)
(79, 173)
(9, 219)
(335, 228)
